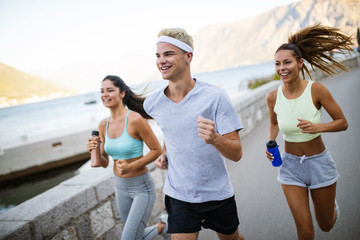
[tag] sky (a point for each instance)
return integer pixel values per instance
(76, 43)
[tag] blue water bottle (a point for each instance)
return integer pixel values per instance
(272, 147)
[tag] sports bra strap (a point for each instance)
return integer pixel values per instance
(125, 126)
(126, 120)
(107, 126)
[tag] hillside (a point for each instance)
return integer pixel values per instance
(255, 39)
(17, 87)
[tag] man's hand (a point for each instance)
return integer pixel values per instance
(206, 130)
(162, 162)
(228, 145)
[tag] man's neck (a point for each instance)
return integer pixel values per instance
(177, 90)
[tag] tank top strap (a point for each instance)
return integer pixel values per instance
(279, 97)
(279, 91)
(107, 126)
(126, 120)
(308, 87)
(306, 95)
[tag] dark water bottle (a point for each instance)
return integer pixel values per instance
(95, 153)
(272, 147)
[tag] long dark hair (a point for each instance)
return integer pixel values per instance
(133, 101)
(314, 44)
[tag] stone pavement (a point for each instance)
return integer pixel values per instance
(262, 207)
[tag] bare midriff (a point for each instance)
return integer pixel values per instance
(309, 148)
(134, 173)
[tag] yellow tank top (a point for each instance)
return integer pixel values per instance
(288, 112)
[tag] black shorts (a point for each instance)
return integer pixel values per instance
(220, 216)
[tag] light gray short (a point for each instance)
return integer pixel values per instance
(311, 172)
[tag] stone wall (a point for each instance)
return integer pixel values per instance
(83, 207)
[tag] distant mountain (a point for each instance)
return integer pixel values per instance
(255, 39)
(17, 87)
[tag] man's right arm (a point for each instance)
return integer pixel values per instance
(229, 145)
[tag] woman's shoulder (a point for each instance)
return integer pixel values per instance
(271, 96)
(135, 117)
(102, 125)
(136, 123)
(319, 92)
(318, 88)
(316, 85)
(103, 122)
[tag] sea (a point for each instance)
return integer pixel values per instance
(24, 122)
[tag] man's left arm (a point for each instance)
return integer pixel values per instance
(229, 145)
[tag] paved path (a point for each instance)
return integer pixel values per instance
(262, 208)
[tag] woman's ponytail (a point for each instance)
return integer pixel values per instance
(316, 44)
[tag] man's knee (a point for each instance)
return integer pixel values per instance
(235, 236)
(184, 236)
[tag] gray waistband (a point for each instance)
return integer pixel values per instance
(304, 157)
(132, 180)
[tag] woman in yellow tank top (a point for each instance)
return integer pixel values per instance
(295, 110)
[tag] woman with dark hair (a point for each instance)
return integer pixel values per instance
(295, 110)
(121, 137)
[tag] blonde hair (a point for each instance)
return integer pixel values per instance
(178, 33)
(314, 44)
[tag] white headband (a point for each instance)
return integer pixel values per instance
(175, 42)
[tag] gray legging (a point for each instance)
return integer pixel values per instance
(135, 199)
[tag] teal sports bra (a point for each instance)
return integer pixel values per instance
(123, 147)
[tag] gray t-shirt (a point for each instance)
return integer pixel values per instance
(196, 170)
